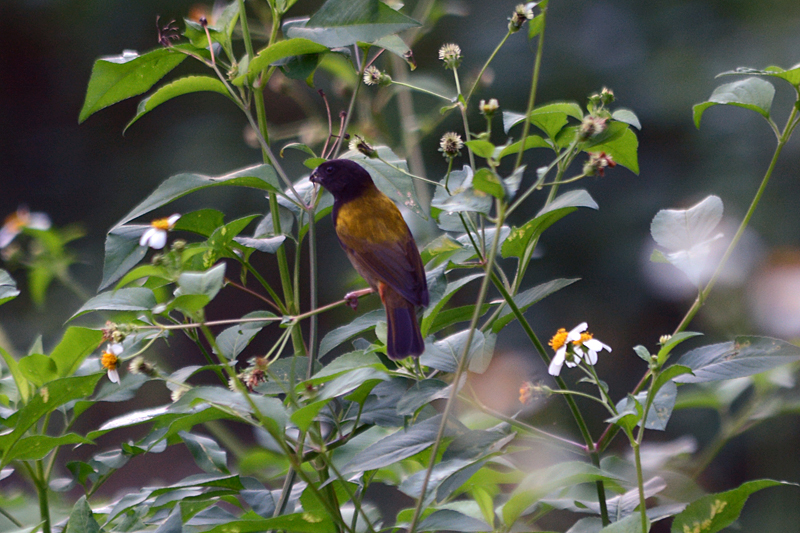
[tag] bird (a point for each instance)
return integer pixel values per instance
(380, 246)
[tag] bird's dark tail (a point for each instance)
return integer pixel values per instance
(403, 337)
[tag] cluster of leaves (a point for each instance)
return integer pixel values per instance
(328, 432)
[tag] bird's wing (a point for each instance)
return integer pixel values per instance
(382, 250)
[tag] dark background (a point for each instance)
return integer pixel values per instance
(659, 57)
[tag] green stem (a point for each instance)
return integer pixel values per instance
(591, 448)
(44, 501)
(11, 518)
(784, 138)
(462, 364)
(463, 109)
(532, 95)
(486, 65)
(421, 90)
(352, 104)
(640, 483)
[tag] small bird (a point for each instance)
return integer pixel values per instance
(377, 241)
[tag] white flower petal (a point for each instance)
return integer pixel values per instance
(557, 362)
(145, 238)
(39, 220)
(7, 235)
(113, 376)
(157, 239)
(115, 348)
(173, 219)
(596, 345)
(575, 334)
(591, 357)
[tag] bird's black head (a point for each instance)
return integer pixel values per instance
(345, 179)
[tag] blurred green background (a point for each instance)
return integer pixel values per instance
(659, 57)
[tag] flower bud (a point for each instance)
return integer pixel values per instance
(451, 144)
(451, 55)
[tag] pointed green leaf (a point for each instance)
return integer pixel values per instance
(341, 334)
(73, 348)
(37, 447)
(19, 378)
(122, 252)
(622, 148)
(8, 287)
(116, 78)
(483, 149)
(486, 181)
(207, 283)
(744, 356)
(280, 50)
(81, 519)
(519, 238)
(630, 524)
(38, 369)
(713, 512)
(181, 86)
(754, 94)
(531, 141)
(128, 299)
(344, 22)
(206, 452)
(792, 75)
(233, 340)
(450, 520)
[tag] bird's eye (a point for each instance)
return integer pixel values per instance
(329, 170)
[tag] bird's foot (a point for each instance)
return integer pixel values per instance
(351, 298)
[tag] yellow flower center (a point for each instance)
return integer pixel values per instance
(17, 220)
(109, 361)
(584, 337)
(558, 339)
(161, 223)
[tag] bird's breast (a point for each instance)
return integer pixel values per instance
(372, 218)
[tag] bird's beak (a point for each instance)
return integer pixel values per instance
(314, 178)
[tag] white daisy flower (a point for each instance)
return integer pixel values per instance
(156, 235)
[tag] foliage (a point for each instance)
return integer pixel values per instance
(330, 431)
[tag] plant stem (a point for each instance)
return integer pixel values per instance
(640, 483)
(486, 65)
(462, 365)
(532, 95)
(44, 501)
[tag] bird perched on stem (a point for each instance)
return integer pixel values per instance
(378, 242)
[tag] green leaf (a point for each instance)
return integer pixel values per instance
(122, 252)
(207, 283)
(233, 340)
(483, 149)
(754, 94)
(529, 297)
(550, 118)
(622, 148)
(450, 520)
(629, 412)
(304, 416)
(673, 341)
(8, 287)
(398, 47)
(116, 78)
(396, 447)
(792, 75)
(48, 399)
(661, 409)
(350, 381)
(181, 86)
(391, 181)
(208, 455)
(298, 522)
(37, 447)
(38, 369)
(277, 51)
(128, 299)
(341, 334)
(19, 378)
(203, 221)
(627, 116)
(630, 524)
(713, 512)
(687, 234)
(486, 181)
(744, 356)
(81, 519)
(531, 141)
(444, 354)
(462, 195)
(454, 315)
(261, 177)
(76, 344)
(344, 22)
(436, 305)
(519, 238)
(421, 393)
(540, 483)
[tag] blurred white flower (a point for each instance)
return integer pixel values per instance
(21, 218)
(110, 360)
(156, 235)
